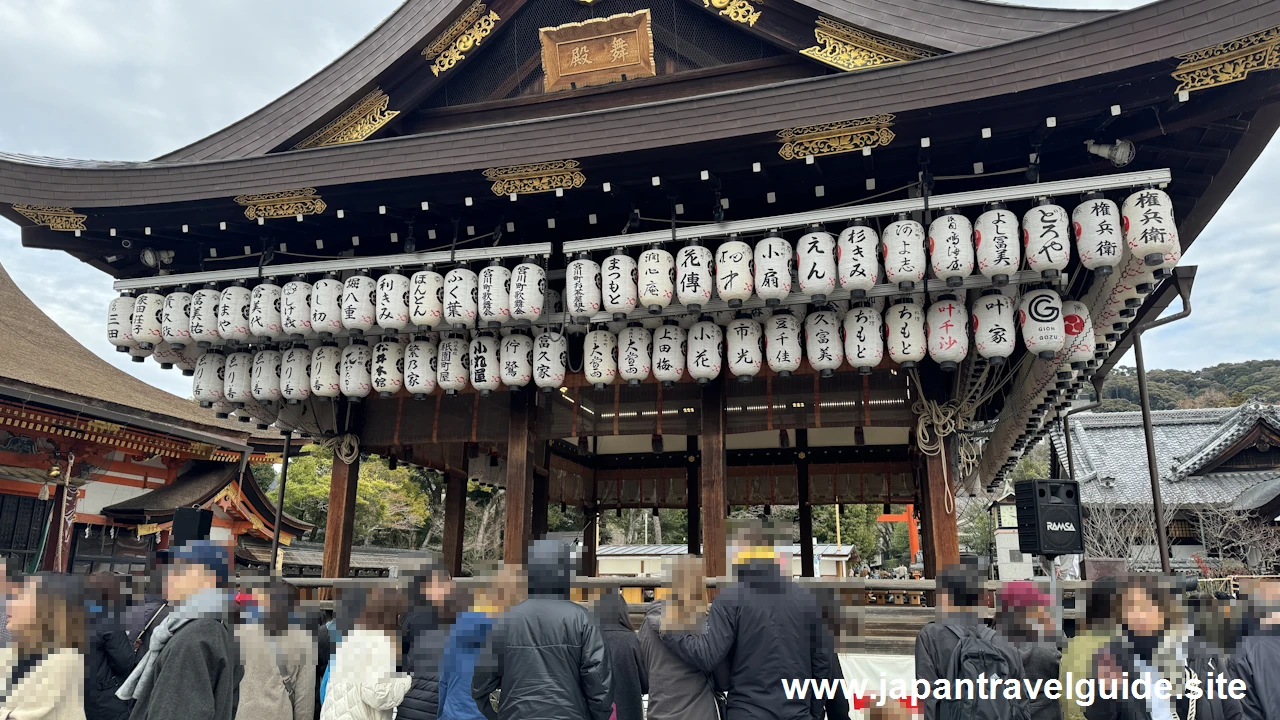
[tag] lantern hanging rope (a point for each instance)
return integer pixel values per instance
(345, 447)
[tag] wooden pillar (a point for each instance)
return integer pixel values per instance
(455, 519)
(806, 511)
(938, 516)
(714, 479)
(590, 537)
(691, 488)
(340, 527)
(541, 489)
(520, 446)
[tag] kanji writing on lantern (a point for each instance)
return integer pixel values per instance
(690, 283)
(701, 360)
(743, 356)
(1148, 199)
(998, 334)
(729, 279)
(1100, 209)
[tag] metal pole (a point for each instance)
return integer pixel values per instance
(1157, 502)
(1098, 381)
(284, 477)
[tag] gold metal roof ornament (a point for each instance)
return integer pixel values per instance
(357, 123)
(282, 204)
(836, 137)
(851, 48)
(536, 178)
(54, 218)
(739, 11)
(1229, 62)
(468, 31)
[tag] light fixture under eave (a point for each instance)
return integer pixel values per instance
(1120, 152)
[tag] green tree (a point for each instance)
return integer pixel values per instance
(265, 475)
(1034, 464)
(977, 529)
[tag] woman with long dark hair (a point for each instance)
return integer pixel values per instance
(42, 673)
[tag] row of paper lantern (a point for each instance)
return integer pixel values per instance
(906, 332)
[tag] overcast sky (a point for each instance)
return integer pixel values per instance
(131, 80)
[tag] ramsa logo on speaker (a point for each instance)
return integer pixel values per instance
(1061, 526)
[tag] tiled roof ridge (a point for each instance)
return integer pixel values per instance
(1158, 417)
(1233, 427)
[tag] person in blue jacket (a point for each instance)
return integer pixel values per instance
(467, 639)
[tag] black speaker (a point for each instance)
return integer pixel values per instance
(189, 524)
(1049, 519)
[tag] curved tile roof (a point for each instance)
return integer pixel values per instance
(1169, 28)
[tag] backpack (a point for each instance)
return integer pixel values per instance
(978, 654)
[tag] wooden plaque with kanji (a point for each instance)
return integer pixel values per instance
(598, 51)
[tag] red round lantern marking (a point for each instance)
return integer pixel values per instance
(1124, 224)
(1022, 318)
(975, 322)
(930, 245)
(1074, 324)
(977, 238)
(1026, 237)
(1078, 229)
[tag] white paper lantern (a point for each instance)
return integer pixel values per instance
(904, 323)
(816, 265)
(669, 346)
(426, 299)
(951, 247)
(1079, 331)
(175, 319)
(618, 284)
(486, 373)
(204, 316)
(453, 371)
(551, 302)
(495, 295)
(233, 314)
(420, 359)
(706, 344)
(238, 380)
(265, 379)
(326, 371)
(582, 288)
(326, 306)
(550, 360)
(295, 374)
(904, 262)
(864, 338)
(773, 270)
(528, 292)
(994, 326)
(735, 272)
(166, 355)
(635, 354)
(1040, 319)
(1045, 239)
(1097, 226)
(822, 342)
(461, 291)
(694, 281)
(295, 309)
(148, 320)
(657, 279)
(120, 322)
(188, 356)
(745, 354)
(515, 354)
(388, 367)
(359, 307)
(260, 414)
(948, 327)
(357, 376)
(782, 342)
(393, 302)
(995, 244)
(600, 357)
(207, 383)
(264, 312)
(1149, 227)
(858, 259)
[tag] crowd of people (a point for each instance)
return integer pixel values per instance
(519, 648)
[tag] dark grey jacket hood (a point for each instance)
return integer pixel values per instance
(550, 569)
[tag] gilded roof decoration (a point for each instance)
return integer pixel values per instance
(836, 137)
(1230, 61)
(536, 178)
(468, 31)
(54, 218)
(739, 11)
(851, 48)
(281, 204)
(357, 123)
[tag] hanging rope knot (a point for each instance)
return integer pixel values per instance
(345, 447)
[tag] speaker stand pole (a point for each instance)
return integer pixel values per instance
(277, 566)
(1046, 561)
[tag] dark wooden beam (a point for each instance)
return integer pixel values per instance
(591, 531)
(519, 492)
(714, 479)
(455, 517)
(942, 546)
(340, 525)
(693, 516)
(541, 490)
(806, 511)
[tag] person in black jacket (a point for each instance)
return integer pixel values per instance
(837, 708)
(628, 670)
(547, 655)
(110, 653)
(424, 635)
(1257, 658)
(774, 630)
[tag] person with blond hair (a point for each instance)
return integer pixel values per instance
(467, 638)
(678, 690)
(42, 671)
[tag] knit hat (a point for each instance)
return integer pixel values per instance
(206, 553)
(1023, 594)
